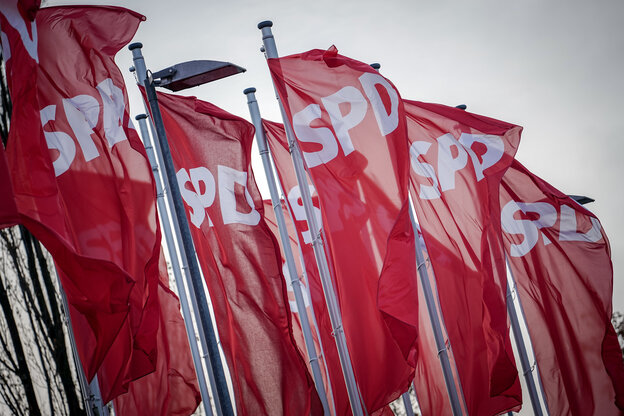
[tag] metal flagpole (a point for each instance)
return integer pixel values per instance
(314, 324)
(197, 284)
(254, 111)
(333, 307)
(449, 380)
(175, 265)
(407, 402)
(520, 343)
(92, 400)
(140, 72)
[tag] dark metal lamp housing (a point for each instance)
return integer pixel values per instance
(193, 73)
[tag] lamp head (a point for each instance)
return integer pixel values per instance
(193, 73)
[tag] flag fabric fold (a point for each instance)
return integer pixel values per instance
(269, 216)
(278, 144)
(239, 257)
(82, 182)
(560, 258)
(429, 383)
(350, 128)
(458, 160)
(8, 210)
(171, 390)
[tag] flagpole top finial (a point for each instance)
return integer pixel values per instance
(249, 90)
(266, 23)
(141, 117)
(375, 66)
(135, 45)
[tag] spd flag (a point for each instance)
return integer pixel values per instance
(171, 390)
(82, 182)
(350, 127)
(561, 261)
(269, 216)
(458, 160)
(276, 138)
(429, 383)
(239, 257)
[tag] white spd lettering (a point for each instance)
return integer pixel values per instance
(15, 19)
(342, 123)
(294, 198)
(204, 190)
(228, 177)
(453, 156)
(82, 113)
(546, 214)
(58, 141)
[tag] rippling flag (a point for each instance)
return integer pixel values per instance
(82, 182)
(276, 138)
(350, 127)
(239, 257)
(560, 258)
(429, 383)
(458, 160)
(171, 390)
(302, 276)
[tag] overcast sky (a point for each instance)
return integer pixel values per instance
(553, 67)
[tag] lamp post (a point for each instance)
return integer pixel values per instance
(176, 78)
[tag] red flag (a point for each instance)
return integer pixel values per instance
(172, 389)
(458, 160)
(276, 138)
(239, 257)
(561, 260)
(349, 122)
(8, 210)
(305, 291)
(28, 8)
(82, 181)
(429, 383)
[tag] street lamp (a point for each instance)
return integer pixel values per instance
(582, 199)
(193, 73)
(176, 78)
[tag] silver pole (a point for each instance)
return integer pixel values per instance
(333, 306)
(314, 324)
(196, 280)
(527, 371)
(407, 402)
(96, 397)
(175, 265)
(254, 111)
(92, 400)
(449, 380)
(140, 71)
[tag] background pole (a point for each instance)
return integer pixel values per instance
(254, 111)
(449, 380)
(527, 371)
(175, 265)
(407, 402)
(92, 399)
